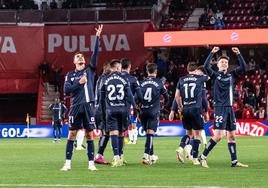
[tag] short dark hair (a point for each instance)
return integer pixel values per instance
(114, 62)
(151, 68)
(223, 57)
(125, 63)
(192, 66)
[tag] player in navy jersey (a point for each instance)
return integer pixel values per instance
(189, 99)
(224, 117)
(204, 112)
(201, 71)
(100, 123)
(58, 109)
(115, 99)
(79, 84)
(136, 90)
(152, 88)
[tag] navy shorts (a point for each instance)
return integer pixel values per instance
(57, 124)
(192, 119)
(149, 120)
(99, 121)
(117, 121)
(224, 118)
(82, 116)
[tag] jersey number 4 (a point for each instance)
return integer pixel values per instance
(148, 94)
(120, 92)
(191, 87)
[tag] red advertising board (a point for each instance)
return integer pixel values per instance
(248, 128)
(117, 41)
(23, 49)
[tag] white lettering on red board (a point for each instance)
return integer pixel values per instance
(7, 45)
(73, 43)
(254, 128)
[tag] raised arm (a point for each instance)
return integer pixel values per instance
(242, 63)
(207, 65)
(93, 61)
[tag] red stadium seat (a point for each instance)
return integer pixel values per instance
(244, 18)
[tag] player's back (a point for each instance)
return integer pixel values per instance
(152, 88)
(133, 82)
(190, 87)
(116, 92)
(98, 87)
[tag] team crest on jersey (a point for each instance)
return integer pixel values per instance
(72, 79)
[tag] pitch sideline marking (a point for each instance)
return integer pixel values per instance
(108, 186)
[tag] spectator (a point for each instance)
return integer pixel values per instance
(252, 100)
(219, 14)
(219, 24)
(53, 5)
(161, 66)
(260, 114)
(44, 5)
(57, 79)
(212, 20)
(259, 95)
(237, 110)
(247, 112)
(44, 71)
(248, 86)
(251, 66)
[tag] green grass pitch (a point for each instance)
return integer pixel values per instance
(36, 163)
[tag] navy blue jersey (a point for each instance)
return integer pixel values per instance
(204, 100)
(191, 88)
(98, 87)
(174, 105)
(134, 85)
(223, 83)
(116, 93)
(152, 88)
(82, 93)
(58, 109)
